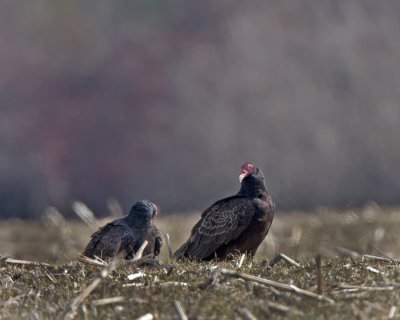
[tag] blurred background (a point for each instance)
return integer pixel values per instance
(164, 100)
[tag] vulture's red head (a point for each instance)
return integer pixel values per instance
(247, 169)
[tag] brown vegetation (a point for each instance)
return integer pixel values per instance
(358, 275)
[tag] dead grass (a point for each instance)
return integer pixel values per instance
(46, 291)
(361, 286)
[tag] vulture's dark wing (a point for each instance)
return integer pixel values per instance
(110, 240)
(221, 223)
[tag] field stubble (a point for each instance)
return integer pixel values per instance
(360, 286)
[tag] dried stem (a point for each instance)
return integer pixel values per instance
(139, 253)
(147, 316)
(392, 312)
(374, 270)
(34, 263)
(173, 283)
(377, 258)
(319, 274)
(93, 262)
(367, 288)
(246, 314)
(71, 308)
(241, 260)
(102, 302)
(170, 251)
(284, 257)
(282, 286)
(283, 308)
(85, 214)
(290, 260)
(180, 311)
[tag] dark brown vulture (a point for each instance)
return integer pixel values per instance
(234, 225)
(124, 236)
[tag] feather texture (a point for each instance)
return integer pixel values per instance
(124, 236)
(234, 225)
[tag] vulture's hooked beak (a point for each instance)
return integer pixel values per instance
(243, 174)
(155, 211)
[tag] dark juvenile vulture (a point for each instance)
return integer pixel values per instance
(234, 225)
(125, 236)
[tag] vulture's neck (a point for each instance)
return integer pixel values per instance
(252, 188)
(138, 222)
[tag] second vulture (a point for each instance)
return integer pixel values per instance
(234, 225)
(124, 236)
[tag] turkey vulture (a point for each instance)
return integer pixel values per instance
(234, 225)
(125, 235)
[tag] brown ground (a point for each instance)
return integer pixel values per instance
(298, 234)
(340, 237)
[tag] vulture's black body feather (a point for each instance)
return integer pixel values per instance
(124, 236)
(234, 225)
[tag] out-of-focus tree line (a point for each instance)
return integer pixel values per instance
(165, 99)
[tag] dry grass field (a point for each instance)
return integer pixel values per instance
(360, 276)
